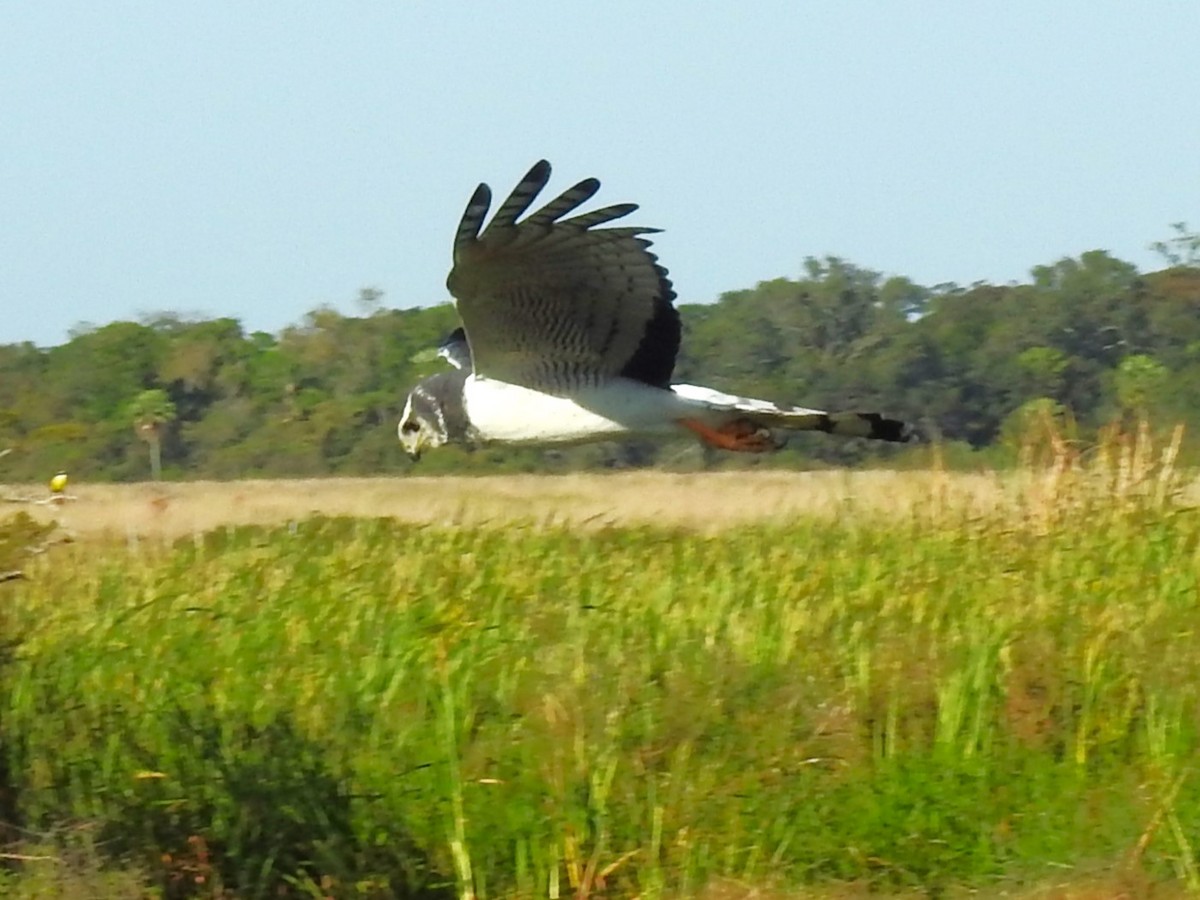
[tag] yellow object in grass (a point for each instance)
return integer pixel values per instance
(58, 483)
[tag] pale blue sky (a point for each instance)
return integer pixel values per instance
(257, 159)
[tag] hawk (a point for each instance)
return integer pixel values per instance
(570, 335)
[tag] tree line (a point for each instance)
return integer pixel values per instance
(1088, 340)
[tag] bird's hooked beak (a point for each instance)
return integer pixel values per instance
(413, 445)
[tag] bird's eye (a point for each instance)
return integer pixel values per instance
(410, 426)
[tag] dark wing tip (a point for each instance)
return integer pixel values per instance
(522, 195)
(473, 216)
(596, 217)
(564, 203)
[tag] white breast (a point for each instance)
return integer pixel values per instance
(509, 413)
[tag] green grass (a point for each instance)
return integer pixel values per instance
(363, 708)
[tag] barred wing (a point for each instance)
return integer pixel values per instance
(552, 303)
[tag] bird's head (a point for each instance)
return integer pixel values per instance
(418, 431)
(433, 414)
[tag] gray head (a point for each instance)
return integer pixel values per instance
(434, 414)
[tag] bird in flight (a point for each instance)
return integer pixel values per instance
(569, 334)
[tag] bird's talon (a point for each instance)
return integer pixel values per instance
(740, 435)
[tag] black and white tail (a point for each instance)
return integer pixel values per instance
(765, 414)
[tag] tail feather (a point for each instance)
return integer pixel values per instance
(872, 426)
(765, 414)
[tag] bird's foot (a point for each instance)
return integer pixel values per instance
(740, 435)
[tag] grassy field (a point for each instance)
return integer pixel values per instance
(731, 686)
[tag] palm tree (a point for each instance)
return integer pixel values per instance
(151, 411)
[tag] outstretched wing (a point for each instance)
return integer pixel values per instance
(552, 303)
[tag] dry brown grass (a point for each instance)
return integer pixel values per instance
(1123, 467)
(707, 501)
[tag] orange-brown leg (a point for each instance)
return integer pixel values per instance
(740, 435)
